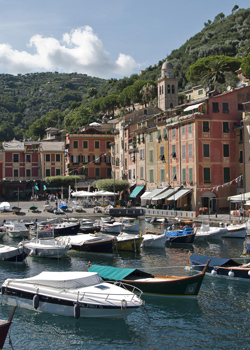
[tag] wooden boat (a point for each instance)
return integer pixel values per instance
(5, 326)
(33, 208)
(235, 231)
(156, 285)
(16, 210)
(219, 267)
(180, 236)
(92, 243)
(153, 240)
(128, 241)
(8, 253)
(206, 232)
(71, 293)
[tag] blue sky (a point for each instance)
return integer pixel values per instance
(103, 38)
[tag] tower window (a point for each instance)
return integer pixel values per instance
(173, 89)
(168, 89)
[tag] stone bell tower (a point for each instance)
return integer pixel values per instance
(167, 87)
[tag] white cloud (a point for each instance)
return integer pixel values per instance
(79, 51)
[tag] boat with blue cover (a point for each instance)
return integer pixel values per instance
(186, 235)
(220, 267)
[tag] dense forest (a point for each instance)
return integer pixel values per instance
(32, 102)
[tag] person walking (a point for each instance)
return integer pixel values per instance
(241, 210)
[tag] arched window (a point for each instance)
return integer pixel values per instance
(162, 89)
(173, 89)
(168, 89)
(159, 90)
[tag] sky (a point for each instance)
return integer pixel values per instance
(101, 38)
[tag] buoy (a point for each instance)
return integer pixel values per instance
(213, 272)
(231, 273)
(162, 223)
(36, 301)
(77, 310)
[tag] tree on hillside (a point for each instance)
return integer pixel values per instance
(245, 66)
(219, 16)
(211, 70)
(235, 8)
(149, 92)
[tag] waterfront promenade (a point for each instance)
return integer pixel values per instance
(26, 214)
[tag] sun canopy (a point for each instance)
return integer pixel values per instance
(136, 191)
(190, 108)
(179, 194)
(150, 195)
(104, 194)
(115, 273)
(239, 197)
(165, 194)
(81, 194)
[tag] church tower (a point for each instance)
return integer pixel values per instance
(167, 87)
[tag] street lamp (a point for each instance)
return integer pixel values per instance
(114, 186)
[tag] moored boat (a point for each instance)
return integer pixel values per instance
(66, 228)
(17, 230)
(94, 243)
(156, 285)
(128, 242)
(115, 227)
(220, 267)
(235, 231)
(152, 240)
(72, 293)
(46, 247)
(180, 236)
(8, 253)
(5, 326)
(207, 232)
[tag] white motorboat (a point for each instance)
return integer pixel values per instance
(8, 253)
(41, 230)
(151, 240)
(17, 230)
(205, 231)
(46, 247)
(235, 231)
(115, 227)
(71, 293)
(131, 227)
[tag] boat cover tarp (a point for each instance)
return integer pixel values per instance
(202, 260)
(116, 273)
(69, 279)
(186, 231)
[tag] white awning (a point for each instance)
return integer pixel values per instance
(165, 194)
(239, 197)
(150, 195)
(190, 108)
(179, 194)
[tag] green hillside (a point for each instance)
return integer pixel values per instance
(32, 102)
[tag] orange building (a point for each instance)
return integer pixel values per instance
(88, 153)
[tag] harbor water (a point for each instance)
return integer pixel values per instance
(218, 319)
